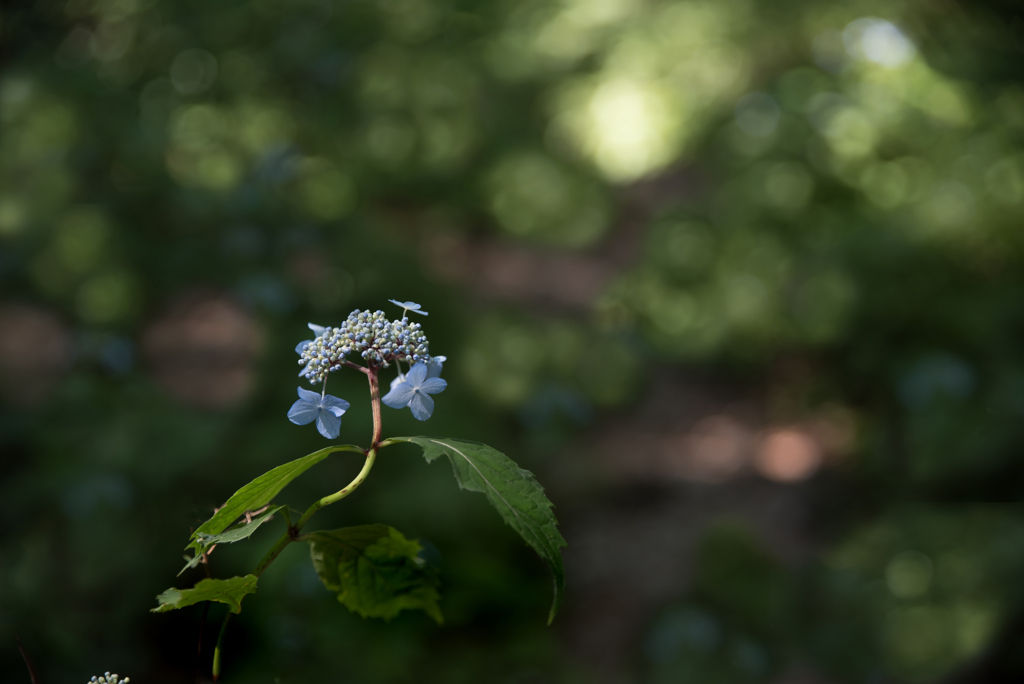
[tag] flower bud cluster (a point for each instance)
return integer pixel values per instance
(368, 335)
(108, 678)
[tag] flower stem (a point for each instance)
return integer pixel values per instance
(375, 404)
(371, 456)
(293, 531)
(219, 647)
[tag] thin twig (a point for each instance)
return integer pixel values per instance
(199, 642)
(28, 661)
(249, 514)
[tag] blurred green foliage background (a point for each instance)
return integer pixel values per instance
(741, 282)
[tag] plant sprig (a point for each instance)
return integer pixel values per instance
(374, 570)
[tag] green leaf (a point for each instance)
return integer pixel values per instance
(233, 534)
(513, 491)
(239, 532)
(375, 571)
(258, 493)
(229, 591)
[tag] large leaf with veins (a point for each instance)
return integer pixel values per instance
(513, 491)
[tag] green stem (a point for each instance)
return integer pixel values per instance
(293, 532)
(346, 447)
(371, 456)
(273, 553)
(218, 648)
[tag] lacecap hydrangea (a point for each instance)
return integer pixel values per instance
(364, 335)
(367, 341)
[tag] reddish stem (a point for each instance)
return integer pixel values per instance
(375, 403)
(28, 661)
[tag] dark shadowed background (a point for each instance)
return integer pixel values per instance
(740, 282)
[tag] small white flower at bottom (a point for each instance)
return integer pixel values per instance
(108, 678)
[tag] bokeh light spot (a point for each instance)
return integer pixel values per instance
(112, 40)
(787, 455)
(390, 141)
(324, 191)
(107, 298)
(909, 574)
(822, 305)
(713, 450)
(788, 186)
(828, 51)
(684, 628)
(948, 209)
(935, 376)
(1005, 181)
(630, 128)
(746, 298)
(919, 640)
(886, 184)
(81, 238)
(193, 71)
(533, 196)
(850, 133)
(879, 41)
(757, 114)
(13, 215)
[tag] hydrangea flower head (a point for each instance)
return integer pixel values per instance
(415, 392)
(368, 334)
(108, 678)
(409, 306)
(324, 409)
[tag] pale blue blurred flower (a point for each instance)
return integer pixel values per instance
(408, 306)
(318, 330)
(324, 409)
(414, 392)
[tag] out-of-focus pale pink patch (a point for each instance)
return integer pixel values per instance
(202, 351)
(787, 455)
(509, 272)
(636, 453)
(35, 352)
(713, 451)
